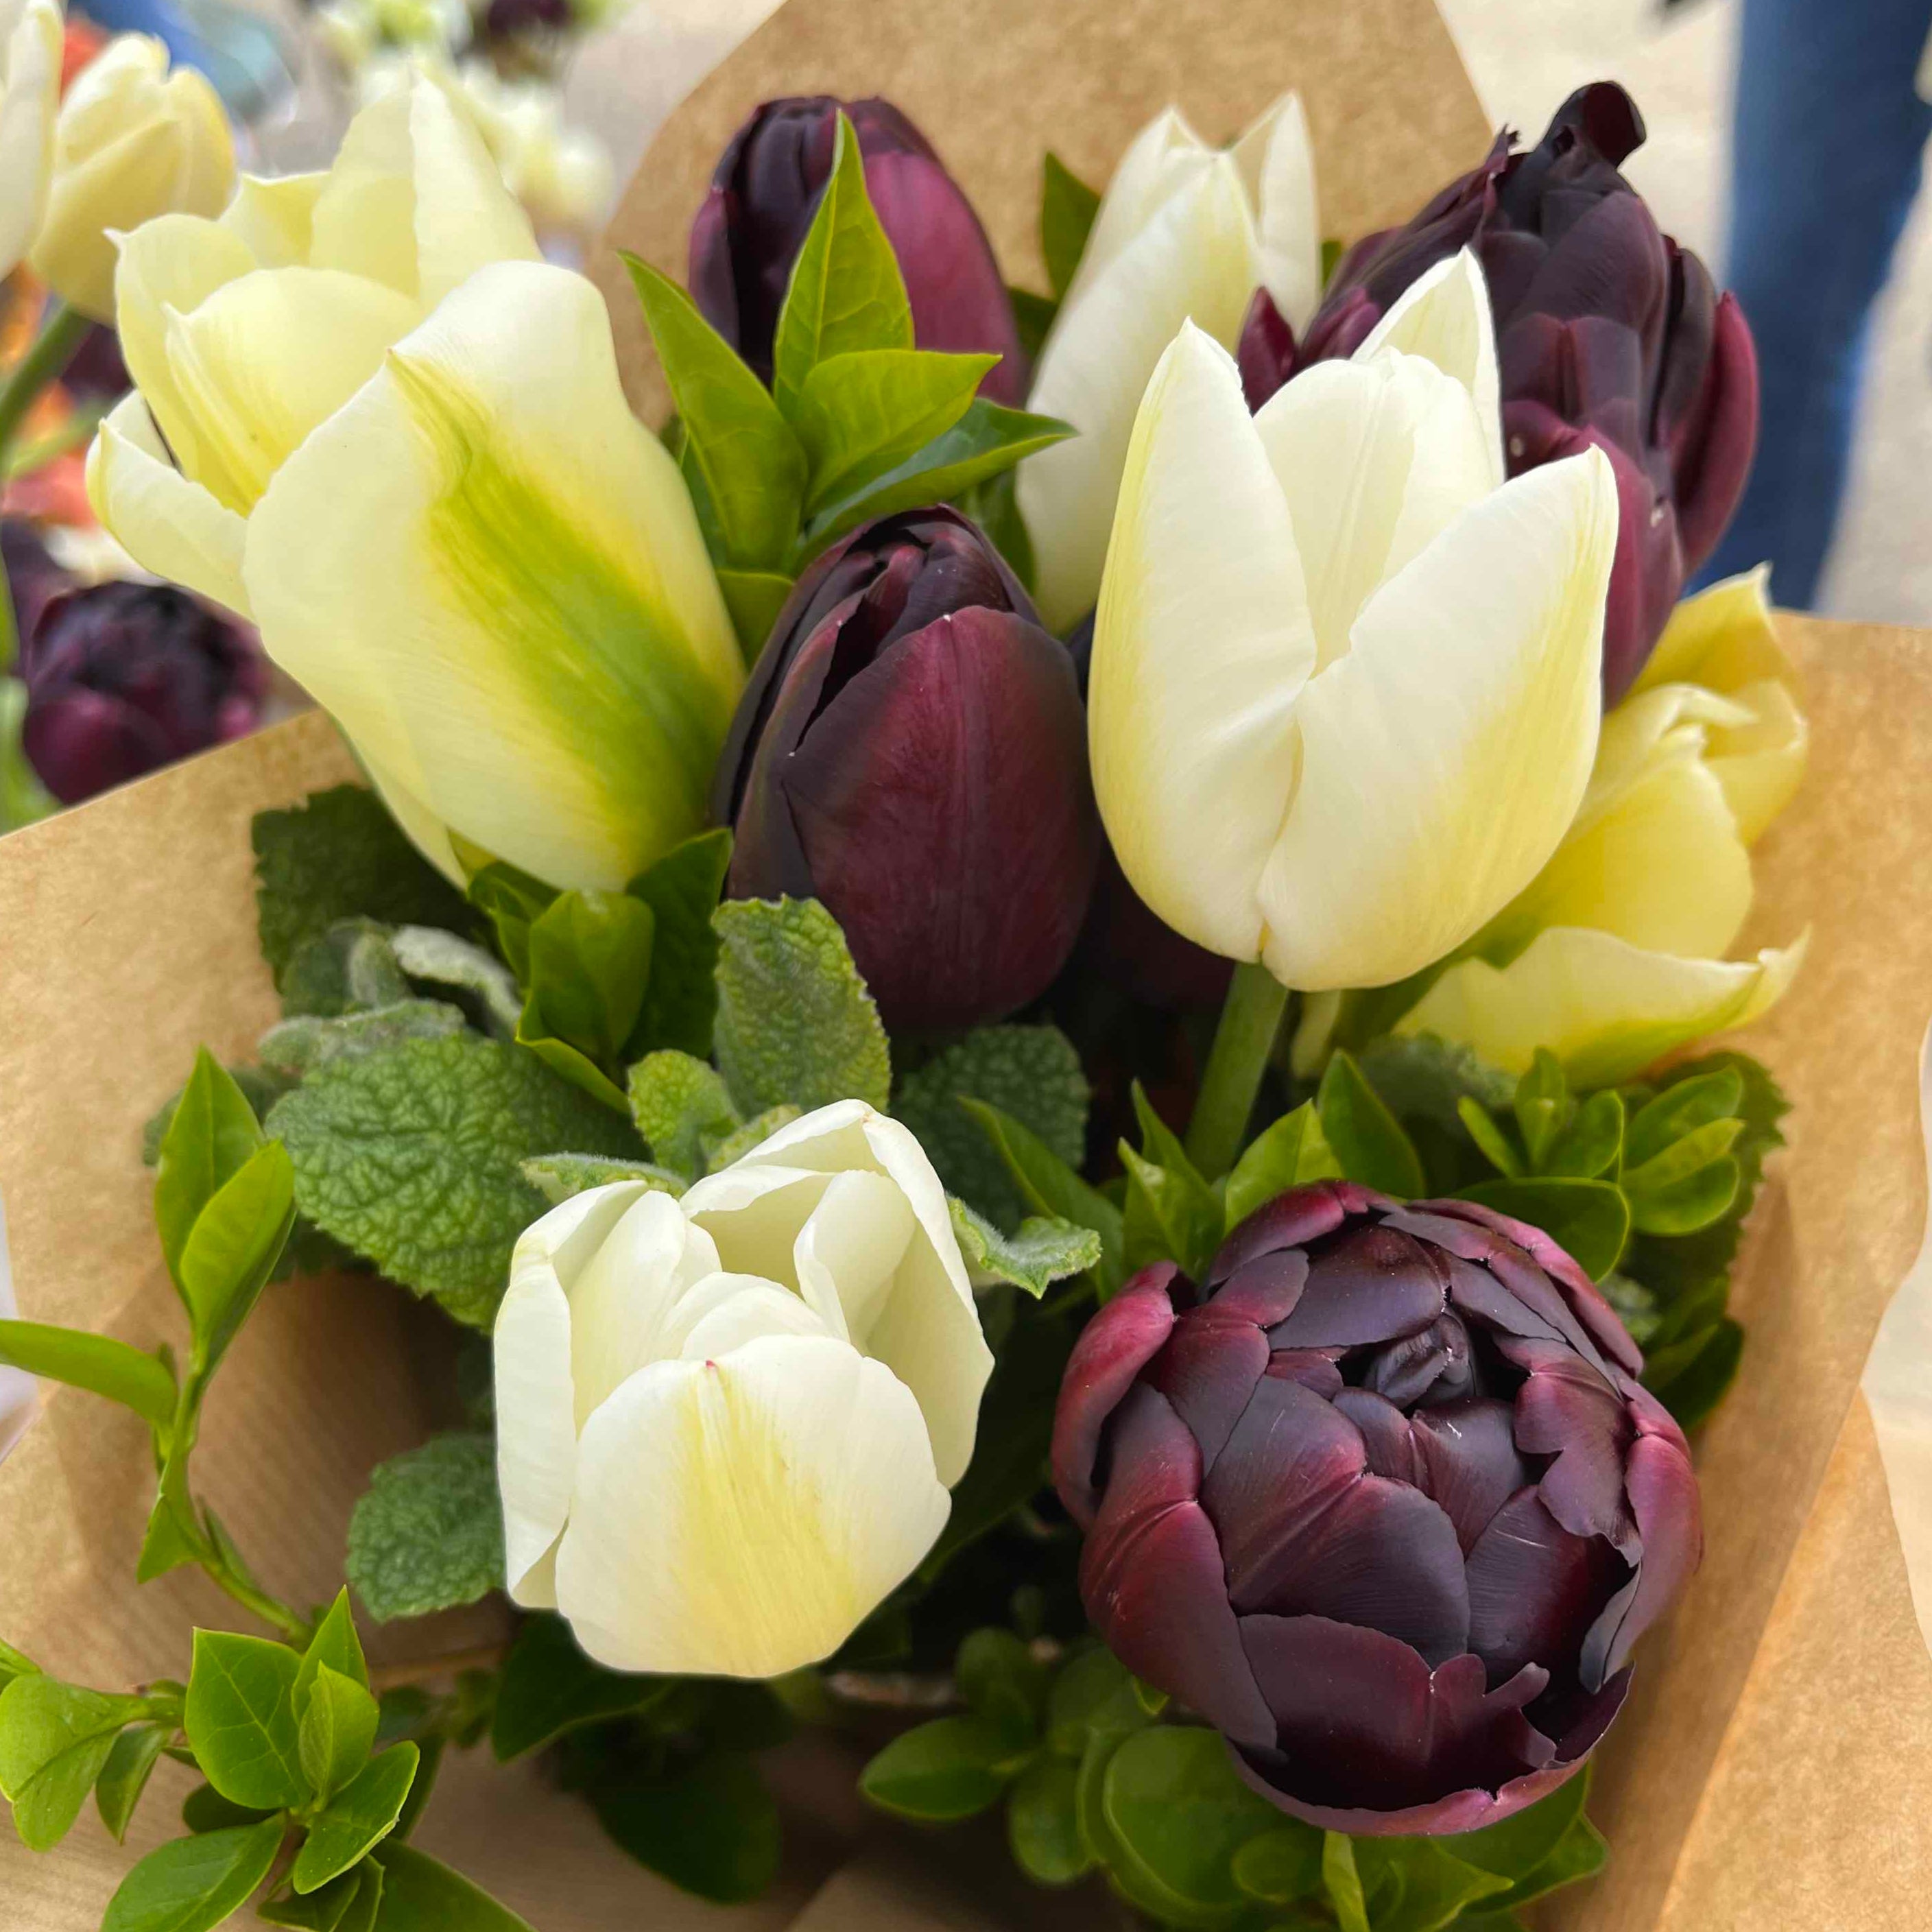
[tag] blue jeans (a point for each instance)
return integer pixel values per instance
(1829, 140)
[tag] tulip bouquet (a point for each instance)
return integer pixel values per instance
(765, 1003)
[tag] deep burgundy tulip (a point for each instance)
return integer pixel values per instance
(764, 196)
(912, 751)
(1608, 334)
(1386, 1504)
(124, 678)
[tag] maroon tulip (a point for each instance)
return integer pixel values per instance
(765, 192)
(1387, 1505)
(1608, 334)
(124, 678)
(912, 751)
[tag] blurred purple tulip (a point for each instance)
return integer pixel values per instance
(765, 192)
(1385, 1503)
(1607, 332)
(912, 751)
(32, 575)
(124, 678)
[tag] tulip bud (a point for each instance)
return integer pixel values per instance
(1608, 335)
(134, 142)
(726, 1424)
(124, 678)
(1385, 1502)
(763, 199)
(911, 750)
(30, 75)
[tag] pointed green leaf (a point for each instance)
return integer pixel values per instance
(1431, 1887)
(549, 1686)
(1590, 1220)
(860, 415)
(1050, 1187)
(589, 964)
(242, 1720)
(1543, 1105)
(1067, 207)
(123, 1777)
(166, 1546)
(1520, 1843)
(1290, 1154)
(1682, 1109)
(1592, 1145)
(362, 1814)
(212, 1137)
(1690, 1379)
(754, 597)
(237, 1239)
(336, 1643)
(321, 1911)
(95, 1362)
(1491, 1142)
(1034, 315)
(337, 1728)
(682, 890)
(56, 1740)
(419, 1894)
(511, 899)
(194, 1885)
(15, 1663)
(1368, 1141)
(1343, 1882)
(206, 1810)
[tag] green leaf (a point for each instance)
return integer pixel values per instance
(15, 1663)
(1431, 1888)
(1171, 1215)
(549, 1688)
(1003, 1681)
(1582, 1853)
(1520, 1843)
(1343, 1882)
(1692, 1380)
(1592, 1145)
(297, 1047)
(994, 506)
(1290, 1153)
(862, 414)
(212, 1136)
(1033, 316)
(1701, 1101)
(1045, 1250)
(1049, 1186)
(352, 967)
(426, 953)
(680, 1103)
(681, 889)
(755, 599)
(795, 1020)
(55, 1739)
(124, 1776)
(1590, 1220)
(242, 1720)
(413, 1157)
(337, 1729)
(341, 855)
(511, 899)
(335, 1644)
(1424, 1077)
(1067, 207)
(1543, 1105)
(1491, 1142)
(986, 440)
(1032, 1073)
(846, 293)
(1092, 1697)
(751, 467)
(321, 1911)
(1367, 1139)
(1280, 1865)
(206, 1810)
(951, 1769)
(556, 1176)
(714, 1830)
(192, 1884)
(236, 1241)
(590, 963)
(1043, 1827)
(428, 1535)
(722, 1150)
(95, 1362)
(420, 1894)
(360, 1817)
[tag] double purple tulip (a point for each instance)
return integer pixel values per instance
(763, 198)
(1384, 1502)
(1608, 334)
(912, 751)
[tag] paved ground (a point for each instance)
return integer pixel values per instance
(1525, 56)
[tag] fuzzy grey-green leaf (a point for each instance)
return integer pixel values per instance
(1045, 1250)
(557, 1177)
(428, 1535)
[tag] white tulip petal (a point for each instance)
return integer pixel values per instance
(1277, 160)
(466, 216)
(1201, 645)
(536, 1427)
(848, 1252)
(1606, 1008)
(754, 1213)
(1760, 764)
(421, 826)
(1444, 316)
(492, 575)
(742, 1516)
(167, 524)
(1196, 259)
(1165, 158)
(566, 1238)
(1443, 756)
(273, 217)
(723, 1312)
(30, 72)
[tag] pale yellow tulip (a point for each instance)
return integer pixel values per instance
(30, 71)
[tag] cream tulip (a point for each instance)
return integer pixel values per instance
(1185, 231)
(134, 141)
(30, 71)
(1344, 697)
(725, 1425)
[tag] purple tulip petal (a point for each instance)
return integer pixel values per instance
(1386, 1435)
(1207, 1370)
(1265, 1291)
(1567, 1412)
(1113, 1349)
(1314, 1368)
(1714, 469)
(1470, 1465)
(1436, 1364)
(1532, 1588)
(81, 743)
(1290, 1220)
(1370, 1284)
(1669, 1523)
(1266, 353)
(1461, 1811)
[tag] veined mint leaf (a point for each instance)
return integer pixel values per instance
(722, 1150)
(679, 1104)
(1045, 1250)
(428, 953)
(428, 1535)
(297, 1047)
(1050, 1187)
(340, 855)
(559, 1176)
(1032, 1074)
(413, 1157)
(795, 1020)
(348, 969)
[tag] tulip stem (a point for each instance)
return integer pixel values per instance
(54, 348)
(1250, 1018)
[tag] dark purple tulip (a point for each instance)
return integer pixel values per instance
(124, 678)
(764, 196)
(32, 575)
(1385, 1503)
(1608, 335)
(912, 751)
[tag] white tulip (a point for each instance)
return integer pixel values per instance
(1345, 691)
(726, 1424)
(1185, 231)
(30, 72)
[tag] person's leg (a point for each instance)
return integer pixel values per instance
(1829, 139)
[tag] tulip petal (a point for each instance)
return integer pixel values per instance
(1195, 260)
(723, 1312)
(30, 72)
(741, 1516)
(536, 1432)
(1125, 1334)
(273, 217)
(754, 1209)
(1370, 1285)
(1442, 758)
(1277, 160)
(1469, 1462)
(1606, 1008)
(1165, 159)
(848, 1252)
(1202, 644)
(167, 524)
(493, 575)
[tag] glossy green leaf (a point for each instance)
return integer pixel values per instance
(1033, 316)
(1543, 1105)
(682, 891)
(1343, 1882)
(359, 1817)
(336, 1643)
(1043, 1827)
(1290, 1154)
(846, 294)
(1681, 1109)
(860, 415)
(1368, 1140)
(952, 1767)
(1591, 1144)
(321, 1911)
(192, 1884)
(97, 1363)
(1067, 207)
(994, 506)
(1169, 1215)
(1002, 1682)
(1520, 1843)
(422, 1895)
(1435, 1886)
(1590, 1220)
(124, 1776)
(56, 1740)
(206, 1810)
(755, 599)
(15, 1663)
(1092, 1697)
(213, 1135)
(590, 962)
(1491, 1143)
(549, 1686)
(337, 1728)
(242, 1720)
(511, 899)
(713, 1830)
(232, 1249)
(1048, 1186)
(1280, 1865)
